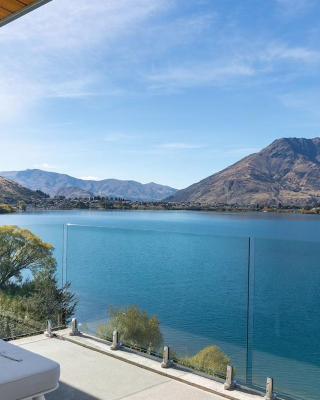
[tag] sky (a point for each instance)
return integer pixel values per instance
(168, 91)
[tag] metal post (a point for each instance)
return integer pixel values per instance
(74, 327)
(229, 383)
(166, 357)
(115, 340)
(49, 332)
(250, 310)
(269, 389)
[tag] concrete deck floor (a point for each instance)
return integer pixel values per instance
(89, 375)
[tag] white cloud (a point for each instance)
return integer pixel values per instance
(278, 52)
(45, 166)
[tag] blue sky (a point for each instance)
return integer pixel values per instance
(168, 91)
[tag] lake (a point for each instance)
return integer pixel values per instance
(247, 282)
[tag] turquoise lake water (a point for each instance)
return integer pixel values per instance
(248, 283)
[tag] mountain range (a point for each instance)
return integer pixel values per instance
(286, 173)
(55, 184)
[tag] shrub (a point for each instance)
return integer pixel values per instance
(211, 360)
(135, 328)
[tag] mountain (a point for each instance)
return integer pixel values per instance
(287, 172)
(60, 184)
(11, 192)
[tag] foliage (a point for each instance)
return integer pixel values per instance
(6, 209)
(21, 250)
(15, 318)
(29, 291)
(211, 360)
(135, 328)
(49, 301)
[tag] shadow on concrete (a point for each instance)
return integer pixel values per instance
(67, 392)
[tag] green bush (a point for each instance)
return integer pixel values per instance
(135, 328)
(211, 360)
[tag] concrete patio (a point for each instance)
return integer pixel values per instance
(91, 375)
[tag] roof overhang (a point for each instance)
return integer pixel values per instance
(13, 9)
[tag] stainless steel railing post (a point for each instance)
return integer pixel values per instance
(166, 357)
(74, 327)
(48, 331)
(229, 383)
(269, 389)
(115, 340)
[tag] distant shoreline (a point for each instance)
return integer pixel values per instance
(161, 206)
(107, 204)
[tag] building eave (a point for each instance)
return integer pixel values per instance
(14, 14)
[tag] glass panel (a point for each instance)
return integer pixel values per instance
(286, 320)
(194, 285)
(27, 303)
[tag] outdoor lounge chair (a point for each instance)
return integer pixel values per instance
(25, 375)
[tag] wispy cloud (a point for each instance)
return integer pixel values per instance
(65, 25)
(245, 63)
(68, 60)
(56, 56)
(199, 75)
(279, 51)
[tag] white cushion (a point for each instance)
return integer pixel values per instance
(32, 375)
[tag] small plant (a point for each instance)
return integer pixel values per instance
(211, 360)
(135, 328)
